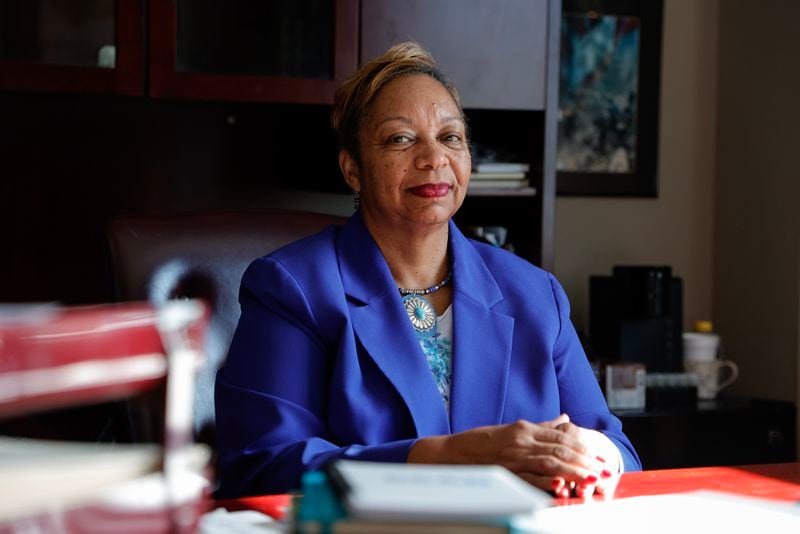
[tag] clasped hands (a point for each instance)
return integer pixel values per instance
(556, 456)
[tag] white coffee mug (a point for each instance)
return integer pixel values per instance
(709, 376)
(700, 347)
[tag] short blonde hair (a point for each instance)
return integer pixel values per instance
(353, 98)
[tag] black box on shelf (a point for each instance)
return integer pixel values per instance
(636, 315)
(661, 396)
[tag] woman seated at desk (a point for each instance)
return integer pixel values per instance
(394, 337)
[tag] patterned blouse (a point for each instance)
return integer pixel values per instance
(438, 348)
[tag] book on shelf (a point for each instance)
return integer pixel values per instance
(500, 179)
(514, 183)
(498, 176)
(356, 496)
(500, 166)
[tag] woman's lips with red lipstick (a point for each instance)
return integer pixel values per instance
(431, 190)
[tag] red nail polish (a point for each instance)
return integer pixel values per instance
(557, 482)
(605, 473)
(600, 459)
(591, 479)
(564, 493)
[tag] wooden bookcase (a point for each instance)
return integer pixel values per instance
(81, 144)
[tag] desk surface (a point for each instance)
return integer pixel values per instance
(767, 481)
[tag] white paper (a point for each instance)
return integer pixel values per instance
(703, 511)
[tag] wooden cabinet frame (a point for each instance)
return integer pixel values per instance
(127, 78)
(167, 82)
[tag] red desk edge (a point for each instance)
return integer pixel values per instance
(780, 482)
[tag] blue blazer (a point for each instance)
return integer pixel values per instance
(325, 363)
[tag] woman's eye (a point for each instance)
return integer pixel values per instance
(400, 139)
(452, 139)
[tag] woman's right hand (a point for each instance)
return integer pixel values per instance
(541, 454)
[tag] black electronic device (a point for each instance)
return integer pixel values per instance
(636, 315)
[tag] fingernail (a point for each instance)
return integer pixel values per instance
(557, 482)
(591, 479)
(600, 459)
(564, 493)
(605, 473)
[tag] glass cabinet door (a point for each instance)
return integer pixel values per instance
(277, 50)
(72, 45)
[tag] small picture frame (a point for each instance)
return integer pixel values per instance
(609, 82)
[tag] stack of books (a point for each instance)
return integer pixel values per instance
(355, 497)
(499, 175)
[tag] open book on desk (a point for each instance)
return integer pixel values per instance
(54, 357)
(41, 474)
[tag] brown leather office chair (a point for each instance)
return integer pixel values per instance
(201, 255)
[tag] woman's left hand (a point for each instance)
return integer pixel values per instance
(598, 446)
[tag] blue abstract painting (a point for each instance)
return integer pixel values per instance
(598, 99)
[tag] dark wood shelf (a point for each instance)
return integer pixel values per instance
(727, 431)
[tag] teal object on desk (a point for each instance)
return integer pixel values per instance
(319, 506)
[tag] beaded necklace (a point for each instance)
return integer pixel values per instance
(427, 290)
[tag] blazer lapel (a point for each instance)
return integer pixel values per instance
(482, 341)
(382, 327)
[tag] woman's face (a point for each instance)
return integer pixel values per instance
(415, 161)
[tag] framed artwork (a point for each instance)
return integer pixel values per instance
(609, 80)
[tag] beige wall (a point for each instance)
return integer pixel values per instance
(727, 217)
(593, 234)
(757, 191)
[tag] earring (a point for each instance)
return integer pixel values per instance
(356, 200)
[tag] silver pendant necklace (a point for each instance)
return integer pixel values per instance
(420, 311)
